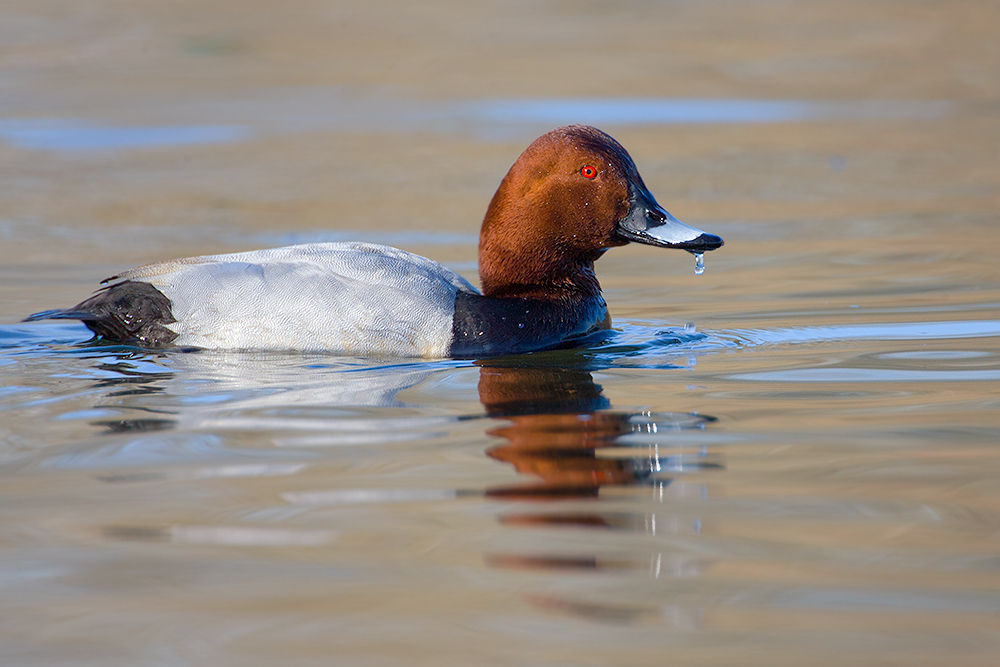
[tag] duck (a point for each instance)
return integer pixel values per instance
(570, 196)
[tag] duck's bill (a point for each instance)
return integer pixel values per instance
(669, 232)
(647, 222)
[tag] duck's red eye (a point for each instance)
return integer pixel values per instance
(589, 171)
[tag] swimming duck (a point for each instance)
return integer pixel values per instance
(571, 195)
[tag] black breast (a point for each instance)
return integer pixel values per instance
(489, 326)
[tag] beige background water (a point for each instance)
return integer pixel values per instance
(266, 65)
(852, 521)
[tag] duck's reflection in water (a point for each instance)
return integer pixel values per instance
(584, 466)
(553, 430)
(561, 432)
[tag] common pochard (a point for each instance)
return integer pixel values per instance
(571, 195)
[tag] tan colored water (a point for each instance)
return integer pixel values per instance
(810, 476)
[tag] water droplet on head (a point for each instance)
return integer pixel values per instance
(699, 263)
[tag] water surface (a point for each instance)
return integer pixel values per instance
(789, 459)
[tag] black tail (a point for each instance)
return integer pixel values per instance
(128, 312)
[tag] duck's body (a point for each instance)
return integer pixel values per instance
(571, 195)
(347, 298)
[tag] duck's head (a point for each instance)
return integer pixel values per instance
(571, 195)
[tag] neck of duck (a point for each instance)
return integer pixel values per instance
(517, 261)
(573, 284)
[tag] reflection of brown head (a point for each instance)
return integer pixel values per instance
(560, 450)
(553, 430)
(558, 430)
(506, 391)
